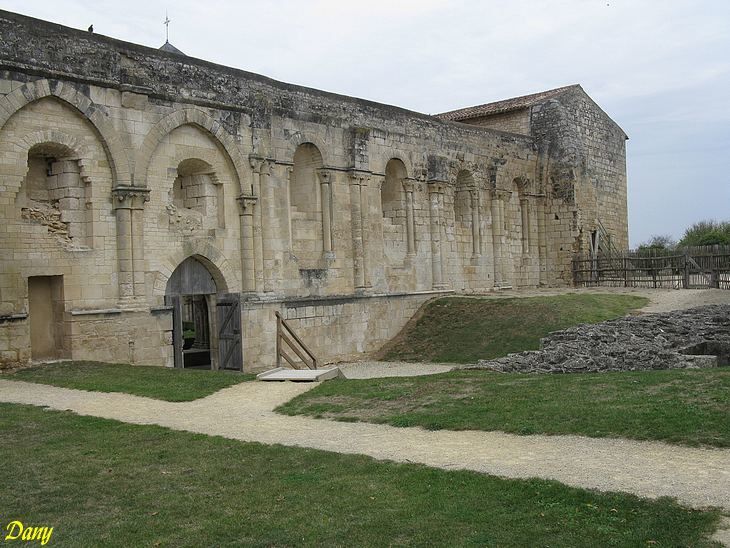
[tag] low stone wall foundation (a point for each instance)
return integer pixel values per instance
(697, 337)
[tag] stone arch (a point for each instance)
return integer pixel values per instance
(207, 156)
(198, 190)
(57, 137)
(391, 190)
(299, 138)
(462, 199)
(66, 207)
(523, 185)
(195, 117)
(204, 280)
(109, 137)
(220, 268)
(396, 155)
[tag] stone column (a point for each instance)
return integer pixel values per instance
(325, 179)
(359, 221)
(435, 193)
(290, 234)
(487, 236)
(541, 241)
(268, 215)
(257, 221)
(498, 235)
(506, 266)
(525, 220)
(408, 186)
(476, 238)
(129, 211)
(248, 274)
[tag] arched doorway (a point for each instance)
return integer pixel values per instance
(206, 329)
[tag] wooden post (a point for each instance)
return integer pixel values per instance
(278, 340)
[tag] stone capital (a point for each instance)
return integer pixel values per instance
(255, 162)
(436, 187)
(501, 195)
(523, 184)
(359, 178)
(246, 203)
(130, 197)
(409, 184)
(325, 176)
(266, 165)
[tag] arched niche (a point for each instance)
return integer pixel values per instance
(393, 206)
(305, 211)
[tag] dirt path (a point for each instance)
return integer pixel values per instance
(696, 477)
(662, 300)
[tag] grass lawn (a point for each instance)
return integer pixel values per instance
(464, 330)
(98, 482)
(161, 383)
(690, 407)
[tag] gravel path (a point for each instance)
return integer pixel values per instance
(373, 369)
(696, 477)
(662, 300)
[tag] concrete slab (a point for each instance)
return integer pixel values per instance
(299, 375)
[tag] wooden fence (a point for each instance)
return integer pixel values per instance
(687, 268)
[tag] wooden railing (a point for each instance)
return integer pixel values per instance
(286, 336)
(659, 271)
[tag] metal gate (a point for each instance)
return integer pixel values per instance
(229, 332)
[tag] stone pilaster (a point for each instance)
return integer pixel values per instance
(409, 186)
(325, 181)
(435, 196)
(268, 215)
(525, 220)
(541, 238)
(258, 222)
(359, 222)
(128, 204)
(248, 269)
(499, 197)
(476, 237)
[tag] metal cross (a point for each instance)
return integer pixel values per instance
(167, 28)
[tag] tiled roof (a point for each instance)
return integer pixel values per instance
(503, 106)
(168, 47)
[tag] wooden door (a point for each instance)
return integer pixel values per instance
(177, 329)
(230, 351)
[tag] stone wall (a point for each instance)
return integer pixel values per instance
(516, 121)
(584, 164)
(698, 337)
(276, 189)
(336, 328)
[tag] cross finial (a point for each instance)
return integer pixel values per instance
(167, 27)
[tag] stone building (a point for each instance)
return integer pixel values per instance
(146, 195)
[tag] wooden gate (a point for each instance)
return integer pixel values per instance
(694, 268)
(229, 332)
(177, 329)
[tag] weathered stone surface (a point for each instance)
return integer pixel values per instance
(697, 337)
(143, 158)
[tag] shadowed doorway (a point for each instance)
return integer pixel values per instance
(206, 325)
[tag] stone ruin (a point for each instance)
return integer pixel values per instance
(693, 338)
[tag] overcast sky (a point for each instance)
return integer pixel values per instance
(660, 68)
